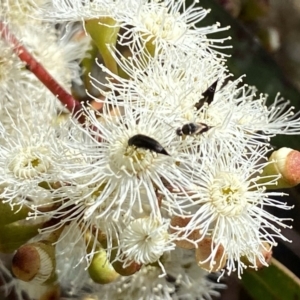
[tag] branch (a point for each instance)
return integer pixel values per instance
(42, 74)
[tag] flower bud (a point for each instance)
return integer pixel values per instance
(177, 223)
(35, 263)
(102, 239)
(262, 259)
(128, 270)
(104, 31)
(100, 269)
(266, 253)
(285, 162)
(208, 257)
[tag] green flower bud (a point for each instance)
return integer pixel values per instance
(128, 270)
(284, 162)
(104, 31)
(100, 269)
(35, 263)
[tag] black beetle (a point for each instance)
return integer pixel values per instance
(146, 142)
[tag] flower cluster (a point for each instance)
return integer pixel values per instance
(162, 178)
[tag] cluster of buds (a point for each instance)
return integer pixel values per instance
(152, 176)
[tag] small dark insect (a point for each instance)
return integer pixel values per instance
(208, 96)
(146, 142)
(192, 129)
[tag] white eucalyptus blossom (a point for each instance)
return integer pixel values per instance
(116, 182)
(123, 164)
(178, 86)
(10, 70)
(31, 156)
(234, 114)
(146, 284)
(18, 106)
(77, 10)
(192, 281)
(160, 25)
(277, 118)
(7, 280)
(72, 208)
(145, 240)
(58, 50)
(174, 81)
(230, 207)
(19, 13)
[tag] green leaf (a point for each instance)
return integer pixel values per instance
(275, 282)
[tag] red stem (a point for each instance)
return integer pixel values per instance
(42, 74)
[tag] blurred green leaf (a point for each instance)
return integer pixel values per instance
(248, 57)
(9, 215)
(275, 282)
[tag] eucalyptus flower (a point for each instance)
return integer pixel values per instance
(10, 69)
(58, 50)
(159, 25)
(56, 10)
(122, 177)
(230, 206)
(31, 155)
(234, 114)
(172, 80)
(131, 150)
(145, 240)
(19, 13)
